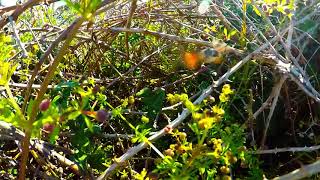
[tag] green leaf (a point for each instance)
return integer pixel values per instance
(7, 113)
(29, 108)
(256, 10)
(74, 6)
(56, 98)
(74, 115)
(152, 101)
(54, 135)
(6, 71)
(140, 136)
(144, 91)
(116, 112)
(96, 129)
(225, 32)
(83, 157)
(89, 123)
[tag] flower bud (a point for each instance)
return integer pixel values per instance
(44, 105)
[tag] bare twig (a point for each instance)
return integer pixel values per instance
(16, 34)
(288, 149)
(128, 23)
(275, 94)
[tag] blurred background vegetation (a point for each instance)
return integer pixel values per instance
(182, 89)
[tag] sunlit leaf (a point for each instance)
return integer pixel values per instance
(88, 123)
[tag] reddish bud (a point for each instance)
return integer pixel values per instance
(168, 129)
(264, 7)
(101, 115)
(96, 89)
(48, 127)
(44, 105)
(46, 26)
(287, 11)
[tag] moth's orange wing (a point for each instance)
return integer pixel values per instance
(89, 113)
(191, 60)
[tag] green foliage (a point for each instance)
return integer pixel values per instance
(6, 71)
(7, 49)
(102, 71)
(152, 100)
(140, 136)
(269, 6)
(85, 8)
(10, 115)
(6, 68)
(219, 146)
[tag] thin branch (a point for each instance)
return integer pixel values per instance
(275, 94)
(4, 10)
(62, 36)
(223, 19)
(128, 24)
(288, 149)
(16, 35)
(263, 106)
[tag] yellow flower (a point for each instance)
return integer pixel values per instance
(213, 28)
(223, 97)
(229, 158)
(226, 89)
(217, 110)
(189, 105)
(217, 144)
(183, 148)
(206, 123)
(173, 99)
(196, 116)
(207, 30)
(216, 154)
(173, 146)
(216, 119)
(170, 98)
(184, 97)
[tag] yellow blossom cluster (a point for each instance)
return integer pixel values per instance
(217, 145)
(229, 158)
(173, 99)
(207, 122)
(180, 148)
(218, 111)
(226, 91)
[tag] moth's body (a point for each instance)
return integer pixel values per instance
(209, 56)
(213, 55)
